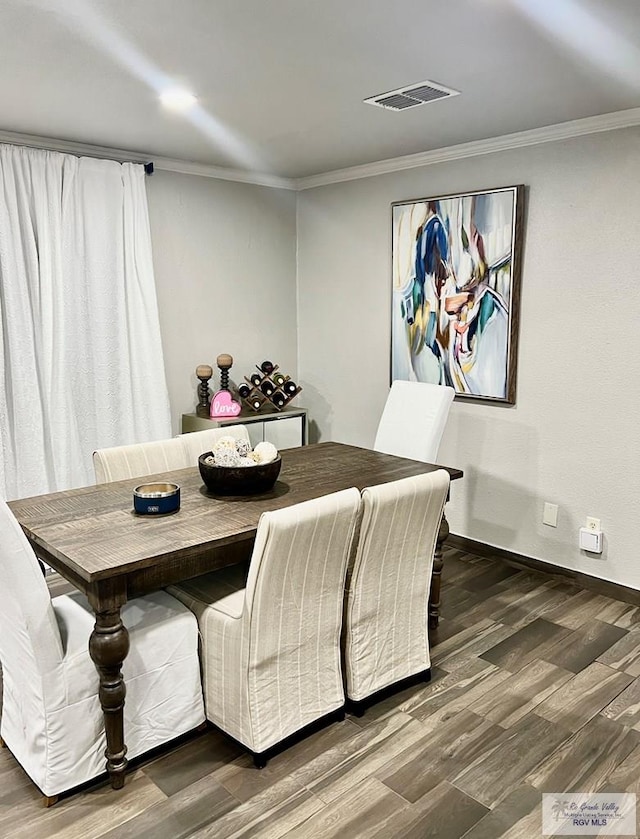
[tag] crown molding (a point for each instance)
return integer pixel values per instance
(204, 170)
(167, 164)
(533, 137)
(536, 136)
(35, 141)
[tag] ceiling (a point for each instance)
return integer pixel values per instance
(280, 83)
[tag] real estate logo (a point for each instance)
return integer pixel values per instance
(588, 814)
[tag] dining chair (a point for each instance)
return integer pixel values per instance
(120, 462)
(271, 646)
(386, 639)
(413, 420)
(199, 442)
(51, 716)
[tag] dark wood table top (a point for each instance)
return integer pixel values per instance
(91, 534)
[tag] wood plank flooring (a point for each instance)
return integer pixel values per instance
(535, 688)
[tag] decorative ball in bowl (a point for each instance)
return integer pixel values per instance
(230, 471)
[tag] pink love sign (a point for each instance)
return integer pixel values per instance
(222, 405)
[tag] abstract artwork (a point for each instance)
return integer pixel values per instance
(456, 291)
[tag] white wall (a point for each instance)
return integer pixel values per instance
(571, 438)
(225, 265)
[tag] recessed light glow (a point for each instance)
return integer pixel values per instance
(178, 99)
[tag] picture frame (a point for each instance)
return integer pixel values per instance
(456, 272)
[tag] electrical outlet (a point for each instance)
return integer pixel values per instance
(593, 524)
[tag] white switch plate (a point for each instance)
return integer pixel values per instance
(550, 514)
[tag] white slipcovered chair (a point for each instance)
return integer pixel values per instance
(120, 462)
(386, 636)
(413, 420)
(51, 716)
(199, 442)
(271, 651)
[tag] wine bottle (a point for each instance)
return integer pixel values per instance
(279, 379)
(256, 378)
(267, 388)
(256, 402)
(290, 387)
(244, 391)
(278, 399)
(267, 368)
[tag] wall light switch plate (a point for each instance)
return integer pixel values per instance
(591, 540)
(550, 514)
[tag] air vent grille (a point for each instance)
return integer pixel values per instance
(411, 96)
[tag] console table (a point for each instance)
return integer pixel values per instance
(286, 429)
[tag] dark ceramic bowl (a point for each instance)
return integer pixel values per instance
(156, 499)
(239, 480)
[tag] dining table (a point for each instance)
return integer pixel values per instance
(94, 539)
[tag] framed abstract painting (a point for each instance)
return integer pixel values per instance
(456, 291)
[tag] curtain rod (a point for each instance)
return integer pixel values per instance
(166, 164)
(76, 149)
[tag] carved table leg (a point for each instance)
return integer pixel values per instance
(108, 647)
(434, 595)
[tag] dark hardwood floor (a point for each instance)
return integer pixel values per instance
(535, 688)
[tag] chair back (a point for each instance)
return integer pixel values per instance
(388, 591)
(413, 420)
(30, 643)
(294, 599)
(121, 462)
(199, 442)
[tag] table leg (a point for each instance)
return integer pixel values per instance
(108, 647)
(434, 594)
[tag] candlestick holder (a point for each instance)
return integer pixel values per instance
(204, 372)
(224, 363)
(222, 405)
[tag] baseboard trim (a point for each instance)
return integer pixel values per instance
(588, 581)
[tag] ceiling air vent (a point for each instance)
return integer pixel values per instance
(412, 96)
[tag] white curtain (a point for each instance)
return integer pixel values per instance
(81, 363)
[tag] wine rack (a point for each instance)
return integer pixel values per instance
(268, 387)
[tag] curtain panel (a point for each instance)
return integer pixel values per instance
(81, 364)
